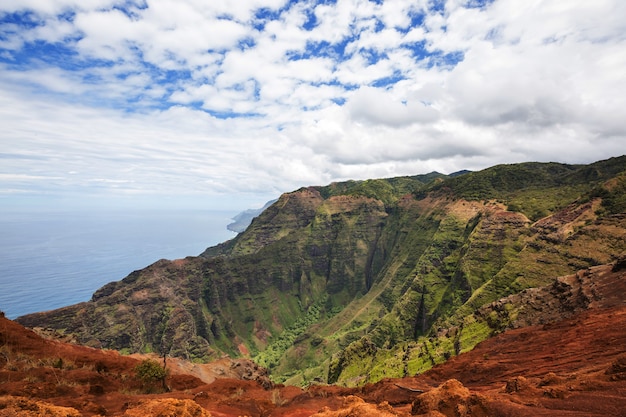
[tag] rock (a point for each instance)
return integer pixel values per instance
(25, 407)
(451, 399)
(551, 379)
(620, 264)
(167, 407)
(354, 406)
(517, 384)
(617, 371)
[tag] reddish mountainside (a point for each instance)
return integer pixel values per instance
(573, 366)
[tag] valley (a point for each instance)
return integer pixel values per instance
(575, 366)
(490, 291)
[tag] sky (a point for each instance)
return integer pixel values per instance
(223, 104)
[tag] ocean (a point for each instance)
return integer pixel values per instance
(54, 259)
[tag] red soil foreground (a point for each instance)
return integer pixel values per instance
(575, 367)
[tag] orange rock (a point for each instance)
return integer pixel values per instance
(354, 406)
(452, 399)
(24, 407)
(167, 407)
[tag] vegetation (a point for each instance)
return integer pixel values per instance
(272, 354)
(151, 373)
(360, 280)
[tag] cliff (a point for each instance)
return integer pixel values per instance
(242, 220)
(358, 281)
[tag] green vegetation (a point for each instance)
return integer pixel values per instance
(272, 354)
(386, 190)
(613, 195)
(537, 202)
(151, 373)
(361, 280)
(536, 189)
(501, 180)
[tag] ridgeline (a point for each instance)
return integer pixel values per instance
(362, 280)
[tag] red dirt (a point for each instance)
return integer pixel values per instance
(569, 368)
(574, 367)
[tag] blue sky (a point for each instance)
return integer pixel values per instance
(228, 104)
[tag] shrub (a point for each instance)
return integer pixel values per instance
(150, 372)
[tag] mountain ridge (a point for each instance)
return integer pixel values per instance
(331, 283)
(242, 220)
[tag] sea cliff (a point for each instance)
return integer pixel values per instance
(357, 281)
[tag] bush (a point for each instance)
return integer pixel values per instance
(150, 372)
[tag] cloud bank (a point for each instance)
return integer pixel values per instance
(258, 97)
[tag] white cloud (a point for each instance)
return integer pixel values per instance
(373, 106)
(129, 98)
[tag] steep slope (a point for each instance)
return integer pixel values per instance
(344, 282)
(242, 220)
(44, 377)
(571, 364)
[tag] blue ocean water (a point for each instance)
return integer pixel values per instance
(53, 259)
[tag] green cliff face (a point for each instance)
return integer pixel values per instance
(358, 281)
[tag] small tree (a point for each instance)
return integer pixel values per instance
(150, 372)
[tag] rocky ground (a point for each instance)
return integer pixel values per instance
(574, 365)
